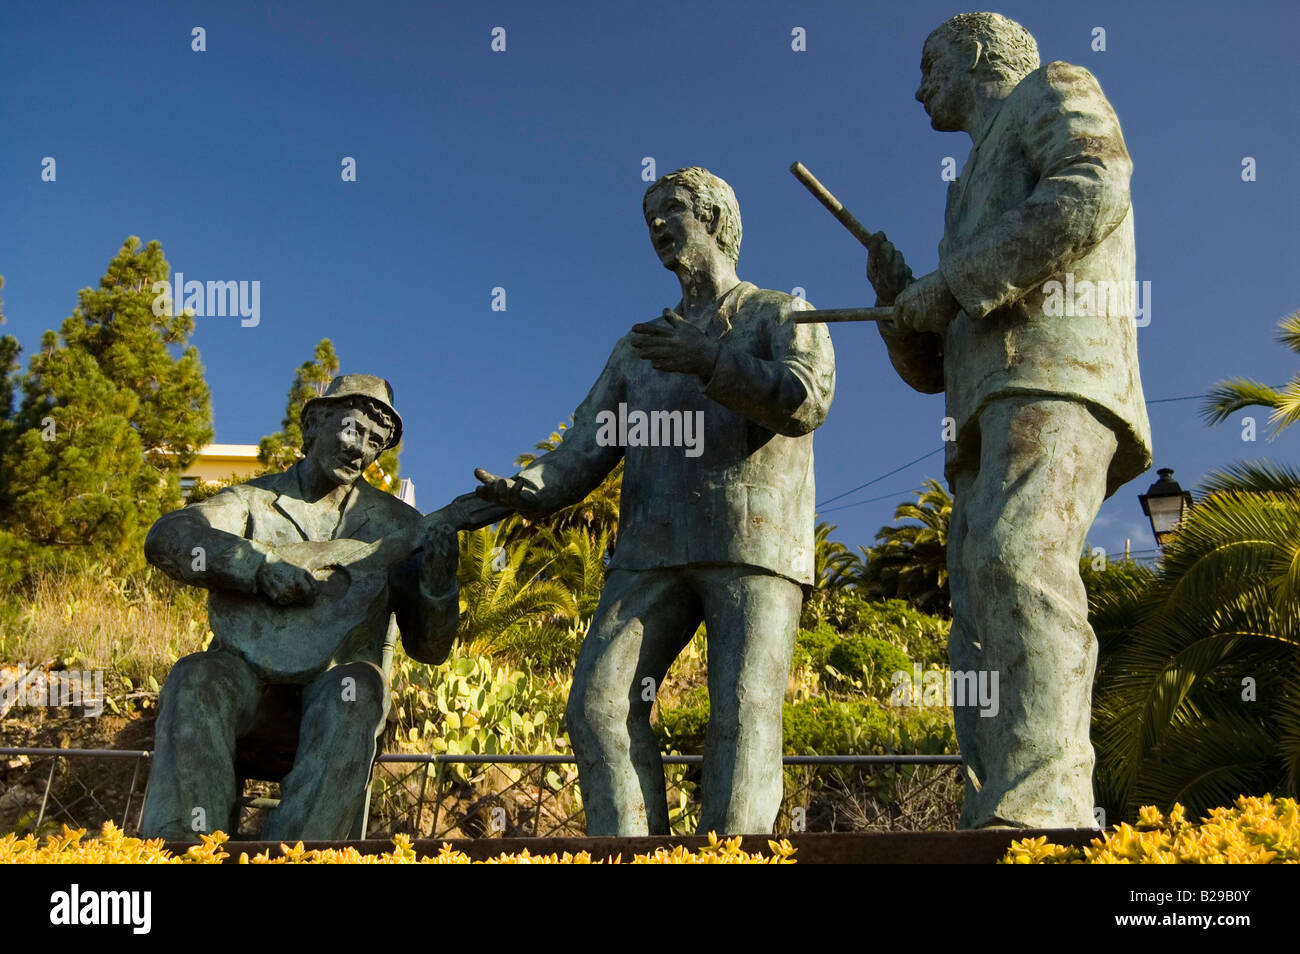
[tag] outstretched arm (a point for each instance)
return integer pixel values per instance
(575, 468)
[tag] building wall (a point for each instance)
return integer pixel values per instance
(217, 462)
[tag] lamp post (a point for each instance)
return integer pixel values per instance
(1165, 504)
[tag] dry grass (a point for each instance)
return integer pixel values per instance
(85, 618)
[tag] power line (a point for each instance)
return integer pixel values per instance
(857, 503)
(1190, 397)
(873, 480)
(1199, 397)
(1114, 553)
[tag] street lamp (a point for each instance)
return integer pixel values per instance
(1165, 504)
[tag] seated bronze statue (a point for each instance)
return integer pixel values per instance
(312, 574)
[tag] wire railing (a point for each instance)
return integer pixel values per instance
(485, 796)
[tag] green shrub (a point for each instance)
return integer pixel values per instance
(870, 660)
(812, 647)
(471, 706)
(830, 727)
(852, 660)
(923, 638)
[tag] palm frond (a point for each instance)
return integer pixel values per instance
(1287, 411)
(1228, 397)
(1208, 763)
(1289, 333)
(1287, 715)
(1261, 476)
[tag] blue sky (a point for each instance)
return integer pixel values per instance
(522, 170)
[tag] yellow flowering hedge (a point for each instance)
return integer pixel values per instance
(1256, 830)
(112, 847)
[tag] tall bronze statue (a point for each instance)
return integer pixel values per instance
(1028, 327)
(712, 407)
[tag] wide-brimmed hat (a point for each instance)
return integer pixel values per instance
(366, 386)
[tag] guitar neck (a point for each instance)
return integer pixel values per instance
(468, 512)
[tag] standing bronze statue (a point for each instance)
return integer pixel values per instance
(1043, 395)
(714, 526)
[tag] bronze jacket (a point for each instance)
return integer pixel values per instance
(1038, 217)
(745, 495)
(238, 526)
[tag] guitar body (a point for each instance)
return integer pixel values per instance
(296, 643)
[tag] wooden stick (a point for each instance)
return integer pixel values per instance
(859, 231)
(844, 314)
(833, 205)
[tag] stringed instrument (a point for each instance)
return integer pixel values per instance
(295, 643)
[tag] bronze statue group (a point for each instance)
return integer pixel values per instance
(314, 575)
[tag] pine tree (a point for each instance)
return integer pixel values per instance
(109, 418)
(9, 349)
(280, 450)
(77, 469)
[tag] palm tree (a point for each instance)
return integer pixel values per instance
(836, 569)
(1197, 697)
(1228, 397)
(597, 513)
(835, 566)
(911, 561)
(508, 604)
(572, 558)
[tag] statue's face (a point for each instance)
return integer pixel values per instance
(676, 234)
(946, 81)
(346, 439)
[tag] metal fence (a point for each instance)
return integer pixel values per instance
(484, 796)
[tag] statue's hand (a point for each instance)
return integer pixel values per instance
(886, 270)
(680, 347)
(286, 583)
(926, 305)
(513, 492)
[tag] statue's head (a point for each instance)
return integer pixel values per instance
(346, 429)
(690, 211)
(970, 51)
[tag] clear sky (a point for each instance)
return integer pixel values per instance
(522, 170)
